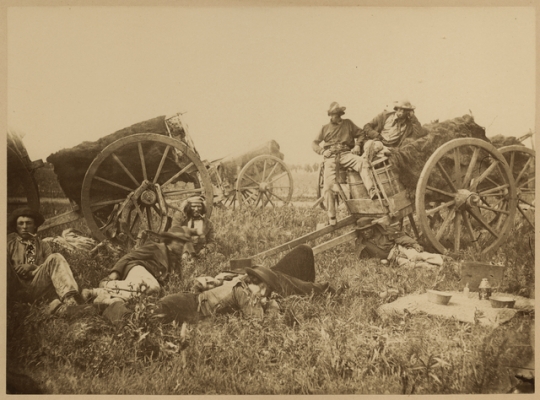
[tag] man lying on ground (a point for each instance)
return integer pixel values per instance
(143, 269)
(380, 240)
(246, 293)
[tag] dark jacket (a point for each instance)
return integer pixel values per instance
(155, 257)
(373, 129)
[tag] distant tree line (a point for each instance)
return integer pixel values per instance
(304, 167)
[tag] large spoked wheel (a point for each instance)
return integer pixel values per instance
(522, 161)
(22, 189)
(466, 197)
(138, 182)
(264, 180)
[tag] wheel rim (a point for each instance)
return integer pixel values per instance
(521, 161)
(22, 189)
(137, 183)
(264, 181)
(468, 185)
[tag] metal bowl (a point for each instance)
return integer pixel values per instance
(502, 302)
(438, 297)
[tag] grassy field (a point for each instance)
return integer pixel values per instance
(336, 344)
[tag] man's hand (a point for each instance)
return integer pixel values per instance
(356, 150)
(25, 270)
(372, 135)
(327, 153)
(418, 248)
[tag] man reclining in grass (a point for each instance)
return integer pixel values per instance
(34, 271)
(143, 269)
(247, 293)
(380, 240)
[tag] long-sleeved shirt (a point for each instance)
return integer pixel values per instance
(343, 133)
(394, 135)
(20, 251)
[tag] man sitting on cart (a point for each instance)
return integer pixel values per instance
(341, 147)
(393, 127)
(34, 272)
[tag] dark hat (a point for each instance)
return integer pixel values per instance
(181, 233)
(25, 212)
(365, 222)
(265, 275)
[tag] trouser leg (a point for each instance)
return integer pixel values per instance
(138, 280)
(54, 278)
(329, 182)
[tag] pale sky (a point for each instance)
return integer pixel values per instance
(249, 74)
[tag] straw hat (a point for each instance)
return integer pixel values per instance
(336, 109)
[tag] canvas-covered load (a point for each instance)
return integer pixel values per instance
(231, 165)
(410, 158)
(70, 165)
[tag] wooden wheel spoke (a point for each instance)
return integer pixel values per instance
(121, 164)
(100, 204)
(251, 179)
(278, 177)
(446, 176)
(264, 171)
(172, 206)
(179, 192)
(248, 198)
(494, 191)
(149, 217)
(178, 174)
(269, 199)
(98, 178)
(143, 163)
(525, 167)
(135, 219)
(457, 167)
(471, 167)
(486, 173)
(457, 232)
(482, 222)
(531, 223)
(496, 210)
(445, 224)
(512, 159)
(526, 202)
(433, 189)
(526, 183)
(160, 166)
(468, 226)
(440, 207)
(276, 196)
(272, 171)
(158, 210)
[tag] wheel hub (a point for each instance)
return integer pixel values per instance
(148, 197)
(263, 187)
(466, 197)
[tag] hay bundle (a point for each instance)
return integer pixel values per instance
(70, 165)
(411, 157)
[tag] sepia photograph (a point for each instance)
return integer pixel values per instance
(270, 198)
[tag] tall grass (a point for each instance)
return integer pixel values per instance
(334, 344)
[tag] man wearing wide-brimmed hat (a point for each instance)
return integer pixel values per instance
(393, 127)
(34, 272)
(193, 216)
(143, 269)
(341, 148)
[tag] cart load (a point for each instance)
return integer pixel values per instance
(410, 158)
(70, 165)
(21, 187)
